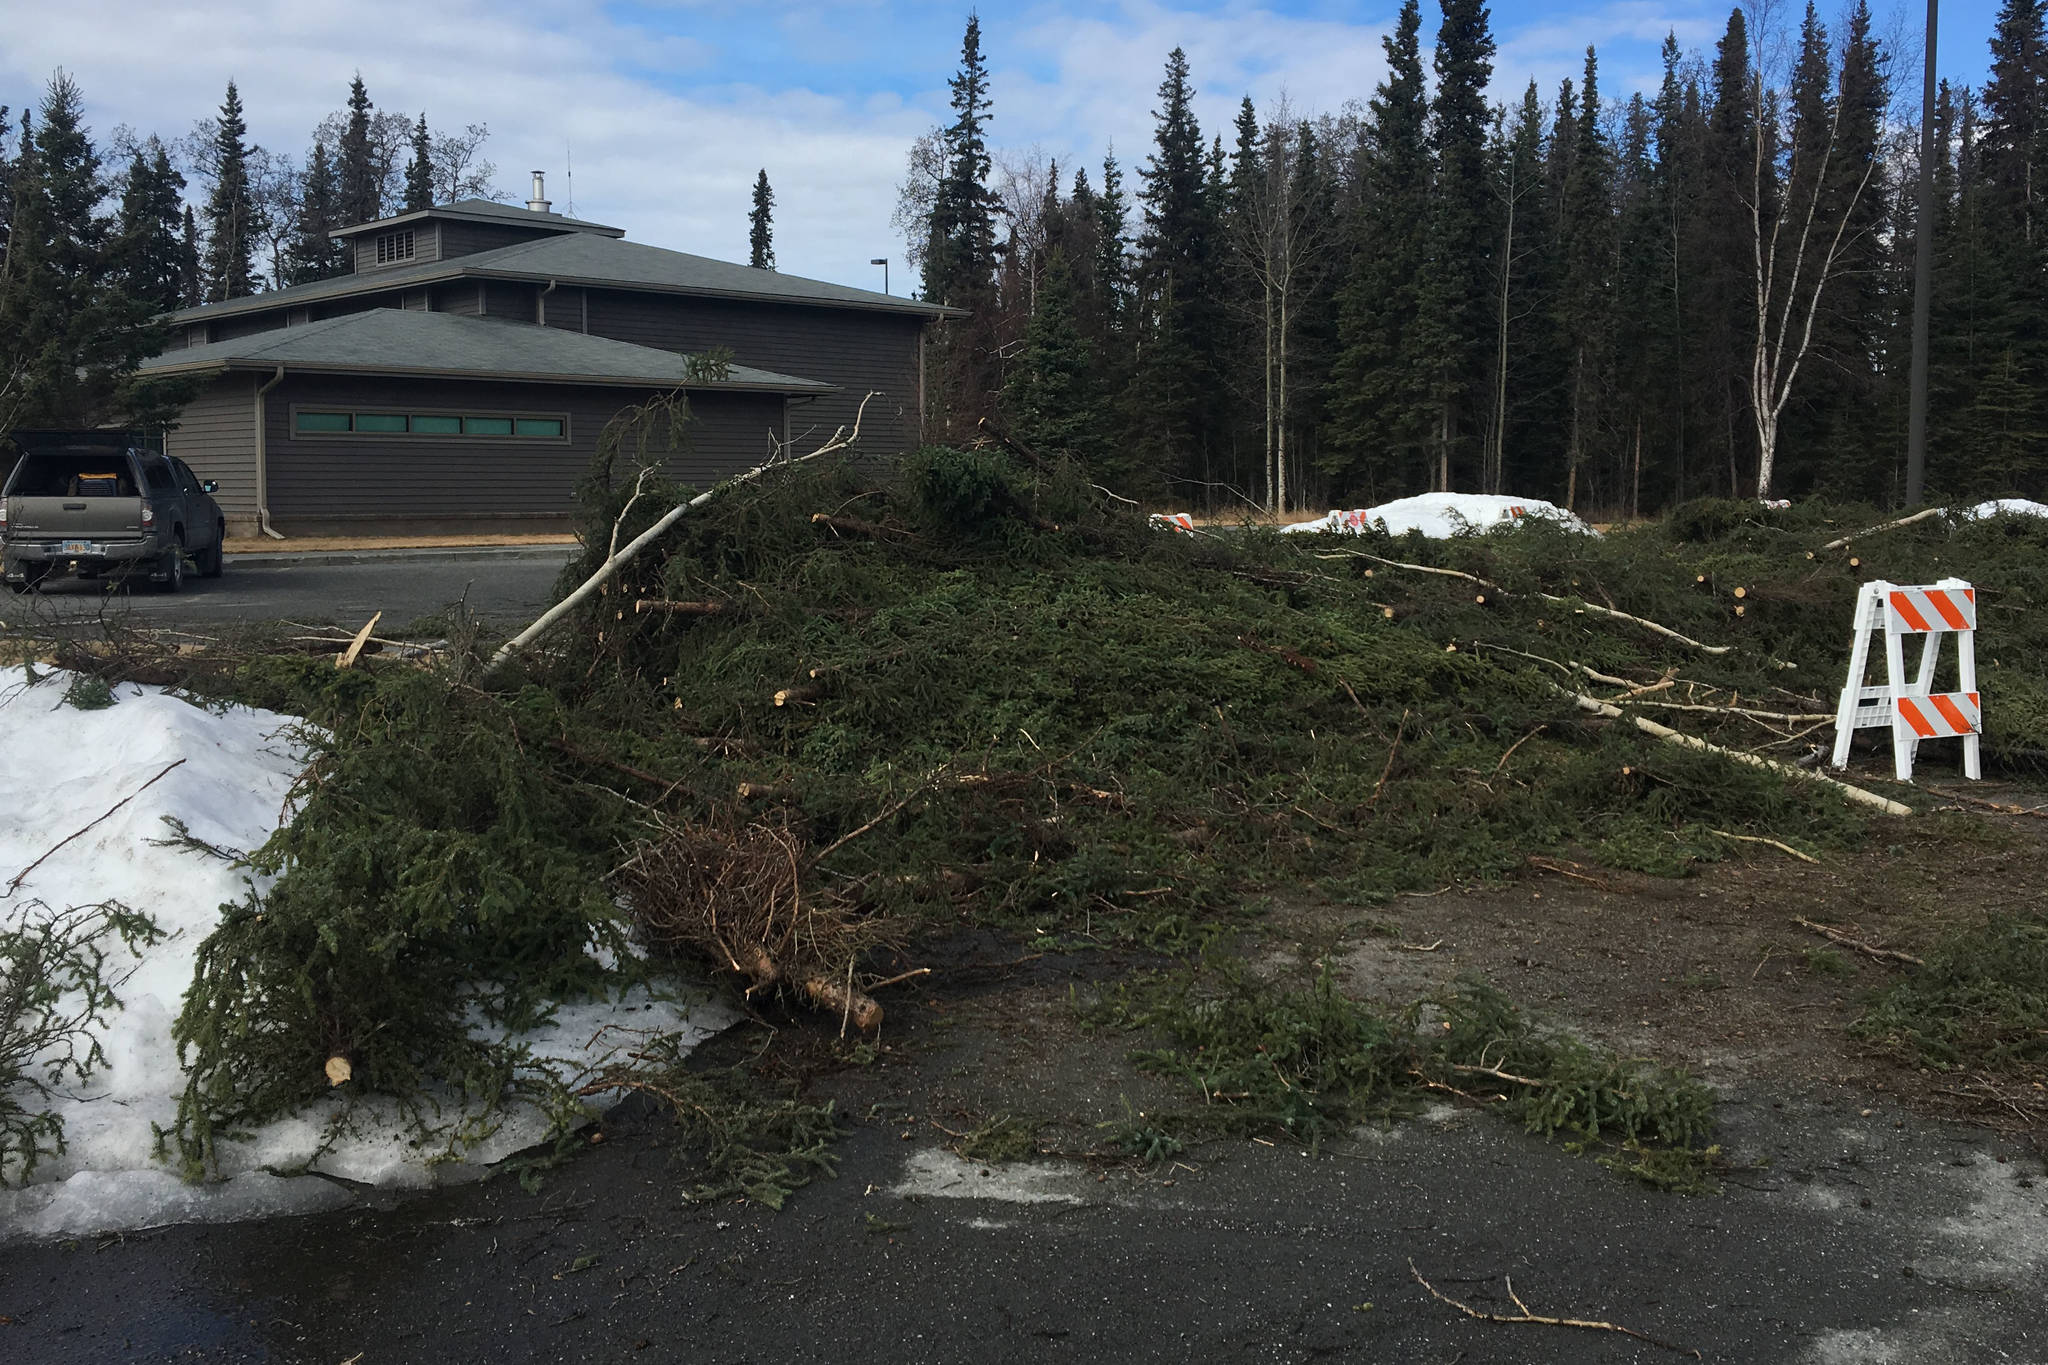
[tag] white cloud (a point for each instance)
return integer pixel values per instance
(672, 166)
(669, 118)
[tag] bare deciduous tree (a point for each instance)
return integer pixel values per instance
(1790, 277)
(1281, 241)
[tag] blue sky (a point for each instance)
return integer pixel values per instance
(670, 106)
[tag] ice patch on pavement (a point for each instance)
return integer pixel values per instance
(2003, 1232)
(1440, 516)
(109, 1201)
(230, 791)
(934, 1173)
(1854, 1346)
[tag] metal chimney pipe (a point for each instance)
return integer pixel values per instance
(539, 202)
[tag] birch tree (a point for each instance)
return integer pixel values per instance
(1796, 250)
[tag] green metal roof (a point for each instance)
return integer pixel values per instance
(400, 342)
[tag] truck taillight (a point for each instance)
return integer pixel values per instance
(148, 515)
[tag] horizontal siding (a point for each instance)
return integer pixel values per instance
(216, 434)
(506, 299)
(859, 351)
(360, 303)
(462, 298)
(564, 308)
(247, 324)
(324, 479)
(466, 239)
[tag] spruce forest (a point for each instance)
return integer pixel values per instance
(98, 240)
(1615, 304)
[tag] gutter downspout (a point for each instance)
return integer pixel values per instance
(262, 460)
(541, 304)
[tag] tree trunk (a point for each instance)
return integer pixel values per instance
(1491, 478)
(1280, 410)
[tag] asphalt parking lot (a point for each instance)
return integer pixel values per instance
(322, 588)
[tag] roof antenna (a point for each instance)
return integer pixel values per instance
(569, 166)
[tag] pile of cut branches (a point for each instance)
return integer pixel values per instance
(837, 701)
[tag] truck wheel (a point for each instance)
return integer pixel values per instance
(32, 574)
(174, 566)
(215, 559)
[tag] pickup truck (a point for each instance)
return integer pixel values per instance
(111, 510)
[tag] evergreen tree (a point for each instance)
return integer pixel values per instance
(961, 250)
(1841, 437)
(230, 209)
(1450, 328)
(1724, 245)
(313, 254)
(761, 225)
(2010, 203)
(1052, 402)
(359, 176)
(1529, 370)
(1587, 232)
(191, 273)
(1379, 414)
(149, 248)
(1112, 257)
(1638, 323)
(1174, 398)
(2015, 102)
(960, 265)
(71, 334)
(1680, 125)
(419, 172)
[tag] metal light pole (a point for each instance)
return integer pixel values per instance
(883, 261)
(1923, 285)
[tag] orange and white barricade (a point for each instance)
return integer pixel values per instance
(1173, 521)
(1914, 711)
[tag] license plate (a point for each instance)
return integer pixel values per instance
(80, 547)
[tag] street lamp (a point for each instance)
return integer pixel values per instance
(883, 261)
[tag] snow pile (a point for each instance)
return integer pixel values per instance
(1441, 516)
(62, 769)
(2023, 507)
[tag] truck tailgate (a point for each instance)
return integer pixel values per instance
(60, 518)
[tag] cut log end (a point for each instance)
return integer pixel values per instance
(856, 1007)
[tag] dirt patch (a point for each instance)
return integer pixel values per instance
(1714, 971)
(1710, 972)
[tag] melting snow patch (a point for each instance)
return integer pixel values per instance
(1441, 516)
(2019, 507)
(230, 789)
(940, 1174)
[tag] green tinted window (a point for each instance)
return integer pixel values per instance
(538, 426)
(323, 421)
(436, 426)
(380, 421)
(487, 426)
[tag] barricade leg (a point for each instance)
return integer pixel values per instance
(1904, 741)
(1966, 674)
(1859, 661)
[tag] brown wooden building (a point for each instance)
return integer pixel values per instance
(459, 375)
